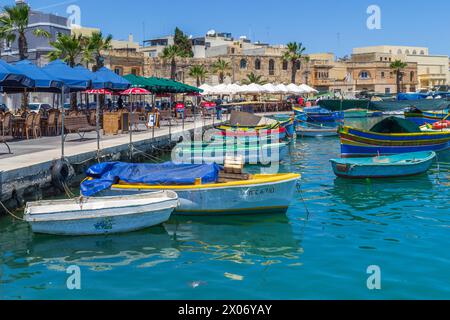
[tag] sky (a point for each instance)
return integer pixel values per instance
(321, 25)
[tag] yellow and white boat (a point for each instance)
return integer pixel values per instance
(202, 189)
(260, 194)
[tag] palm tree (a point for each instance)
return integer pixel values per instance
(198, 72)
(68, 48)
(398, 66)
(252, 78)
(307, 72)
(171, 53)
(294, 54)
(14, 23)
(96, 44)
(222, 69)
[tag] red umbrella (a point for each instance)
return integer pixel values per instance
(135, 91)
(98, 91)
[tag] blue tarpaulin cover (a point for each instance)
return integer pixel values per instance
(106, 174)
(411, 96)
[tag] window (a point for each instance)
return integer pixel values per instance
(415, 52)
(407, 51)
(399, 51)
(271, 67)
(422, 52)
(298, 65)
(118, 71)
(135, 71)
(382, 74)
(285, 64)
(257, 64)
(381, 59)
(364, 75)
(233, 50)
(411, 76)
(243, 64)
(387, 90)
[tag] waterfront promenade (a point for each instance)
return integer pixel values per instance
(27, 153)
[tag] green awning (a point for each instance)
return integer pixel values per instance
(161, 85)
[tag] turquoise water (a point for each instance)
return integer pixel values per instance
(401, 225)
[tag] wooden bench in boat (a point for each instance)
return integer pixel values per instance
(78, 124)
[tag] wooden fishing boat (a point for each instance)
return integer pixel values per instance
(252, 152)
(391, 136)
(102, 215)
(319, 115)
(425, 117)
(316, 132)
(405, 164)
(200, 188)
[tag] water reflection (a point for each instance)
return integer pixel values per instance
(370, 194)
(240, 239)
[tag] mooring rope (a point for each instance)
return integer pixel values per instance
(300, 191)
(10, 213)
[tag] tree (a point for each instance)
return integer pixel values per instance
(171, 53)
(307, 72)
(222, 69)
(69, 49)
(398, 66)
(294, 54)
(198, 72)
(96, 45)
(13, 25)
(252, 78)
(183, 43)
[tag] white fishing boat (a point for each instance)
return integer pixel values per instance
(102, 215)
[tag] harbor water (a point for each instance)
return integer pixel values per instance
(321, 249)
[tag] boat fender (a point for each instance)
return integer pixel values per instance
(61, 173)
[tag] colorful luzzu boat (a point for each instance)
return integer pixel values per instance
(252, 152)
(425, 117)
(391, 136)
(197, 186)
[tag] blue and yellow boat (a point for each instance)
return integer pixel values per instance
(426, 117)
(391, 136)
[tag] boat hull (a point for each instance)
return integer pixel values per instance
(105, 225)
(356, 142)
(254, 154)
(250, 198)
(101, 215)
(384, 167)
(316, 133)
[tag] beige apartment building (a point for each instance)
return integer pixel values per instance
(433, 70)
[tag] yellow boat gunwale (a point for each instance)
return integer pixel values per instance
(258, 179)
(346, 129)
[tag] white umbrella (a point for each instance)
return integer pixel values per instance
(233, 88)
(254, 88)
(219, 89)
(308, 89)
(282, 89)
(294, 89)
(270, 88)
(206, 89)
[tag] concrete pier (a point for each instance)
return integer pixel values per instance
(26, 174)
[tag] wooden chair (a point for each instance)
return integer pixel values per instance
(29, 125)
(37, 133)
(166, 115)
(52, 122)
(7, 124)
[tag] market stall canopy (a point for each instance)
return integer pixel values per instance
(294, 89)
(308, 89)
(206, 89)
(270, 88)
(135, 91)
(10, 76)
(73, 80)
(118, 82)
(161, 85)
(96, 81)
